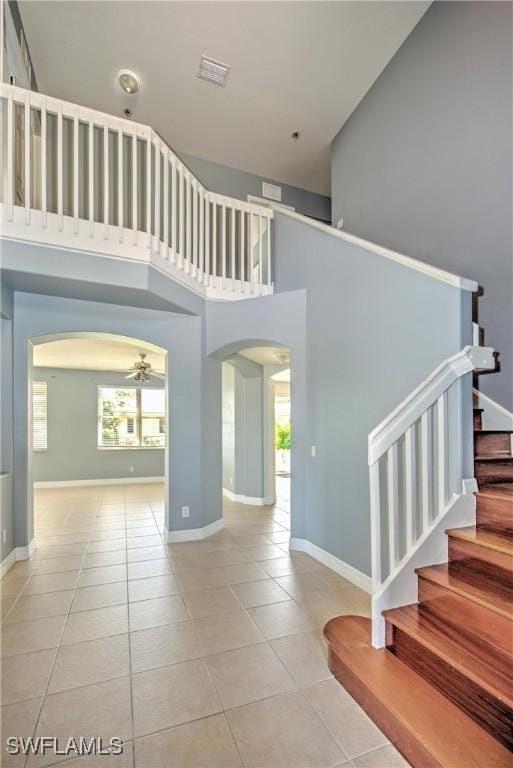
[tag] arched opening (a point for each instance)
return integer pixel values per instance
(97, 442)
(257, 442)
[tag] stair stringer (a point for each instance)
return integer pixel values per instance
(401, 587)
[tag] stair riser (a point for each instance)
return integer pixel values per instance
(494, 513)
(487, 710)
(495, 565)
(486, 472)
(491, 444)
(467, 618)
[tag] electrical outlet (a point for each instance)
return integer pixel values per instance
(313, 451)
(131, 469)
(340, 223)
(186, 512)
(4, 536)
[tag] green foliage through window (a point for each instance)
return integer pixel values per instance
(282, 437)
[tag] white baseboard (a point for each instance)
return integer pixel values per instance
(193, 534)
(343, 569)
(18, 553)
(104, 481)
(495, 416)
(255, 501)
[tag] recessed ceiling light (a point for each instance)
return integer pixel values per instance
(214, 71)
(128, 81)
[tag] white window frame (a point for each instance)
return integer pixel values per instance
(138, 418)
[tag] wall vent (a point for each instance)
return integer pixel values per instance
(213, 71)
(271, 191)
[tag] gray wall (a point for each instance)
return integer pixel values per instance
(72, 421)
(371, 337)
(6, 413)
(243, 423)
(240, 184)
(424, 163)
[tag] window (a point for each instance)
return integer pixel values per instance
(131, 417)
(39, 416)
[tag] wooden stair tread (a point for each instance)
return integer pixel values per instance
(499, 542)
(503, 490)
(471, 585)
(420, 626)
(422, 723)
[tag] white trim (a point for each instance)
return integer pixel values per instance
(193, 534)
(7, 563)
(405, 261)
(268, 203)
(412, 407)
(18, 553)
(495, 416)
(343, 569)
(104, 481)
(255, 501)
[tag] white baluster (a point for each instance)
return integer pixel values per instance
(375, 507)
(157, 196)
(214, 243)
(135, 189)
(173, 210)
(165, 156)
(232, 246)
(393, 506)
(260, 254)
(75, 173)
(442, 451)
(206, 278)
(410, 485)
(26, 183)
(182, 216)
(426, 461)
(106, 180)
(121, 213)
(242, 249)
(44, 204)
(201, 265)
(269, 267)
(10, 156)
(223, 243)
(188, 221)
(194, 194)
(148, 190)
(60, 179)
(90, 163)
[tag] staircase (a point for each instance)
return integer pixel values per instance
(442, 688)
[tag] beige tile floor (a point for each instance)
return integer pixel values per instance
(196, 654)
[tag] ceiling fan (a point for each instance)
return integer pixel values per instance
(142, 371)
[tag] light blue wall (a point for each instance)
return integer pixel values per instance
(234, 183)
(374, 330)
(424, 163)
(6, 412)
(72, 422)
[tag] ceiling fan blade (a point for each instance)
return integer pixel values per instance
(131, 375)
(161, 376)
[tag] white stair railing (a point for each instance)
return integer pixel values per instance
(415, 469)
(84, 180)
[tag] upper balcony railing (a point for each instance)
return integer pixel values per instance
(83, 180)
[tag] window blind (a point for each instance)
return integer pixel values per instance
(39, 416)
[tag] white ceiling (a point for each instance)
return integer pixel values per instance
(94, 355)
(295, 66)
(266, 355)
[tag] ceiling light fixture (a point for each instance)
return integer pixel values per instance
(214, 71)
(128, 81)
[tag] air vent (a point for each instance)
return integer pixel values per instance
(271, 191)
(213, 71)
